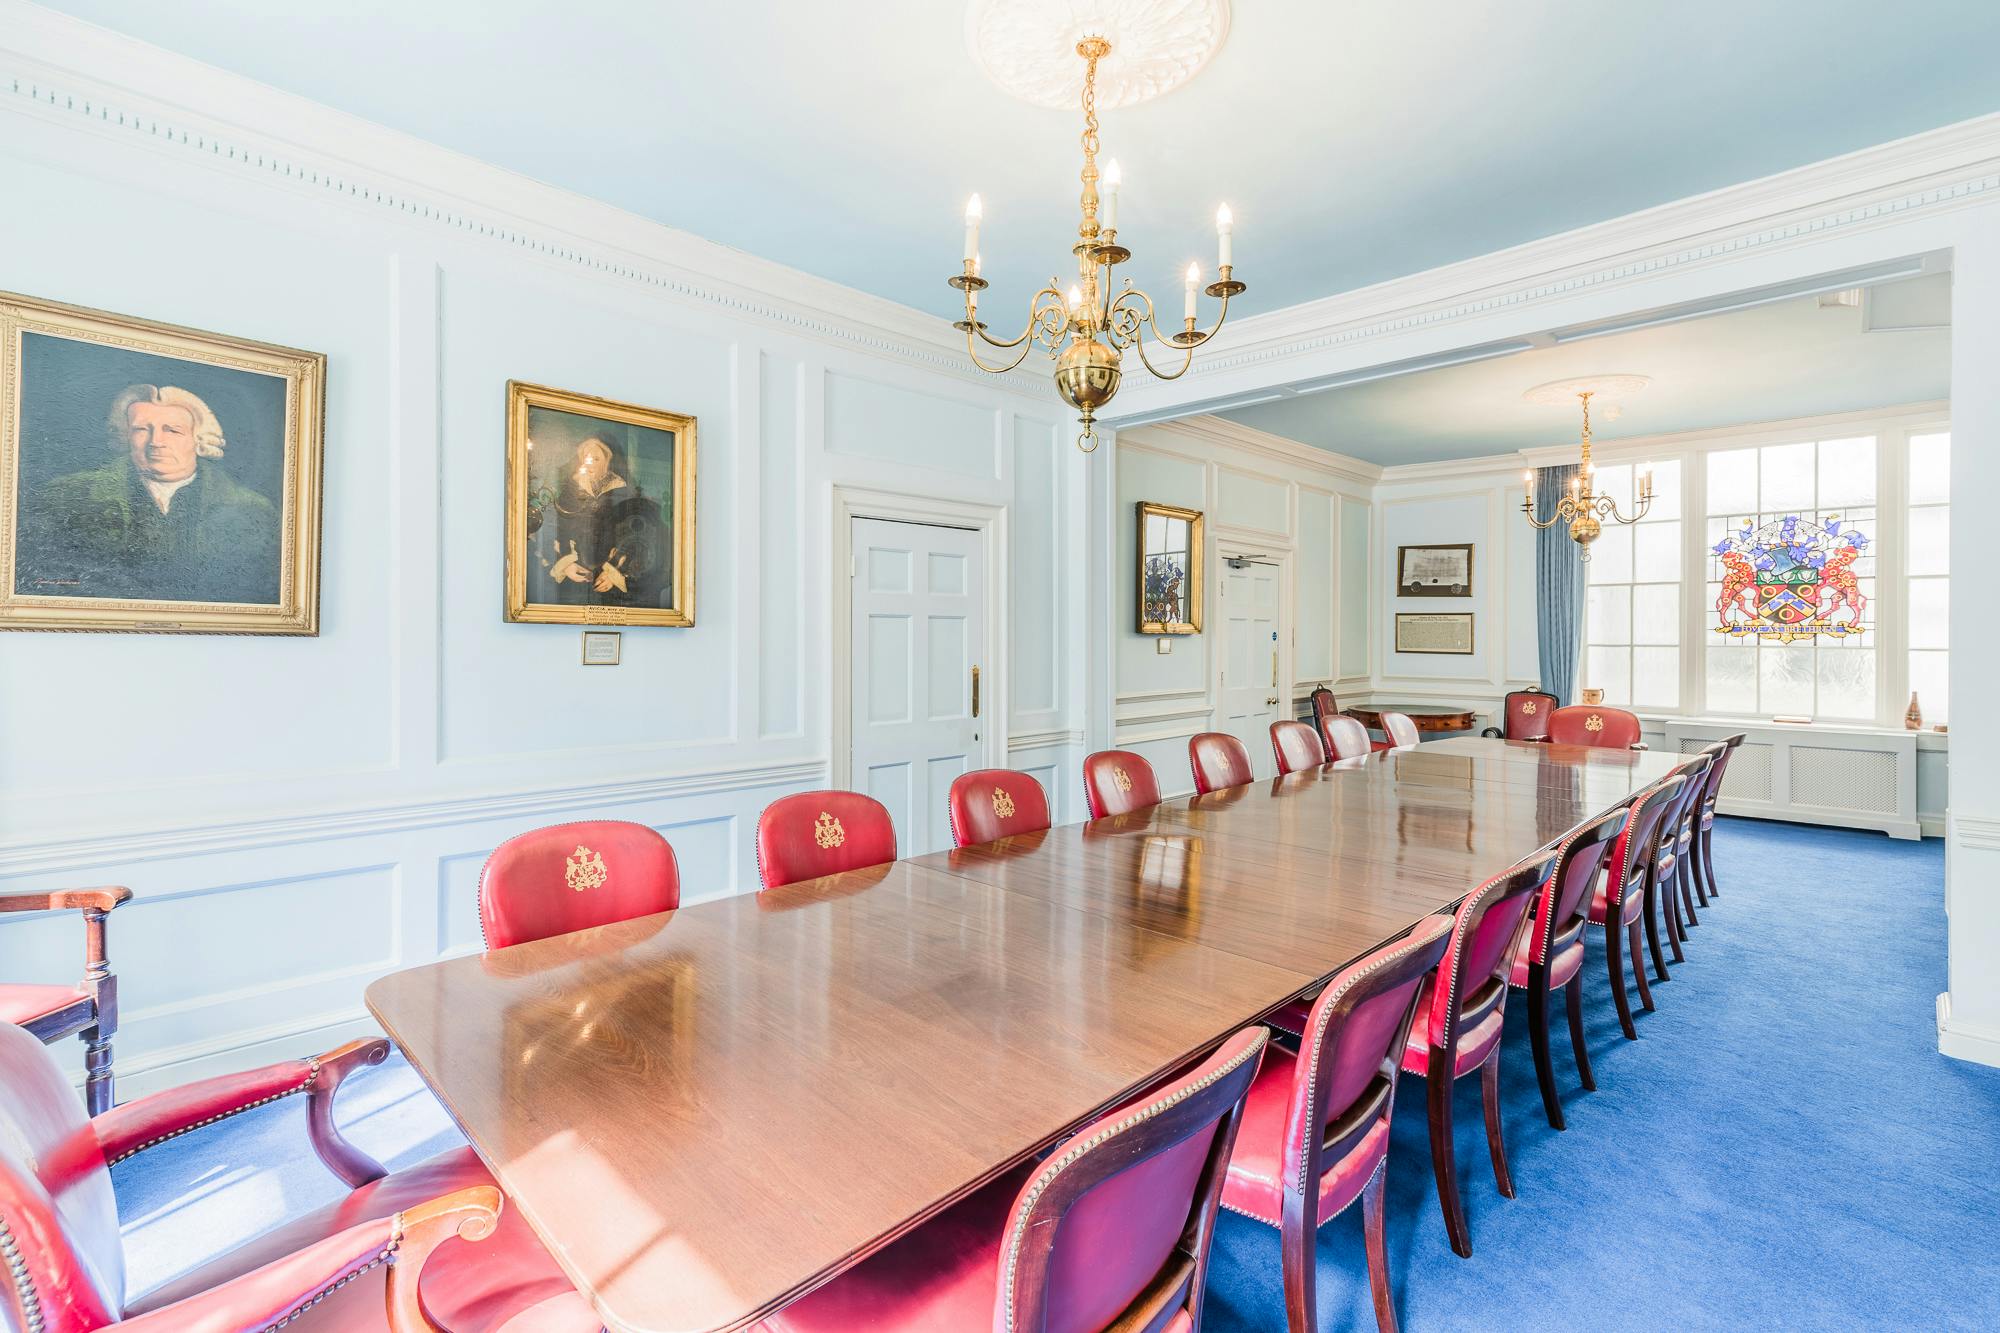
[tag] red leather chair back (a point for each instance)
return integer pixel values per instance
(1125, 1202)
(568, 877)
(1711, 788)
(1594, 724)
(1485, 936)
(1524, 714)
(1400, 730)
(1634, 850)
(1352, 1045)
(55, 1197)
(1345, 738)
(1565, 895)
(988, 804)
(1115, 781)
(1323, 703)
(1685, 814)
(1218, 760)
(816, 833)
(1296, 746)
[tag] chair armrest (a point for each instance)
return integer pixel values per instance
(138, 1125)
(56, 900)
(284, 1288)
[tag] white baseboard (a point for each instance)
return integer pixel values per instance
(236, 1052)
(1965, 1041)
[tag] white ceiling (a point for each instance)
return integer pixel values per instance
(1788, 359)
(1357, 141)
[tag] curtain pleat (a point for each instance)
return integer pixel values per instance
(1558, 588)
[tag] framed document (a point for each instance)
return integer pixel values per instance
(1434, 571)
(1447, 633)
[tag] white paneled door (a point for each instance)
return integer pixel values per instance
(1252, 657)
(920, 711)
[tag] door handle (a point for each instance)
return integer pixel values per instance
(975, 691)
(1271, 702)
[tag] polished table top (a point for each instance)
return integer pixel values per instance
(706, 1112)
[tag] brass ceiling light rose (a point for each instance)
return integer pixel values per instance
(1086, 330)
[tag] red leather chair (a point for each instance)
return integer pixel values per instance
(814, 833)
(1322, 1116)
(1296, 746)
(1344, 737)
(566, 877)
(1618, 903)
(1524, 715)
(1551, 956)
(1594, 724)
(1668, 886)
(1457, 1033)
(1401, 731)
(1117, 781)
(989, 804)
(1112, 1229)
(1218, 760)
(89, 1008)
(1704, 879)
(327, 1269)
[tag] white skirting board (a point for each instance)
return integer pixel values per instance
(1847, 777)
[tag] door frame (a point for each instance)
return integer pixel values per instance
(1284, 555)
(990, 522)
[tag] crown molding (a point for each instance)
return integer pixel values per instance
(65, 72)
(1220, 431)
(1954, 167)
(1456, 469)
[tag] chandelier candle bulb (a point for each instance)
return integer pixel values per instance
(972, 215)
(1193, 278)
(1224, 222)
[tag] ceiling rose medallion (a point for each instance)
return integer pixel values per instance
(1060, 54)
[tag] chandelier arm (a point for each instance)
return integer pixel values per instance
(1036, 319)
(972, 350)
(1187, 360)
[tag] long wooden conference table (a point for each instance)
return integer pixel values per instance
(706, 1113)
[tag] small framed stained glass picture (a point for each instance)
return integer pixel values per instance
(1170, 572)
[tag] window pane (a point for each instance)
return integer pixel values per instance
(1608, 618)
(1616, 482)
(1847, 684)
(1846, 472)
(1863, 521)
(1930, 469)
(1656, 677)
(1610, 670)
(1656, 552)
(1930, 613)
(1656, 609)
(1930, 677)
(1732, 481)
(1785, 476)
(1611, 555)
(1930, 540)
(1785, 678)
(1732, 678)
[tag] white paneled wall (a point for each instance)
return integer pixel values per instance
(299, 816)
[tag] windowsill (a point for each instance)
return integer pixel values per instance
(1926, 739)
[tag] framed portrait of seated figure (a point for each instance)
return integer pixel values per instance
(600, 510)
(155, 478)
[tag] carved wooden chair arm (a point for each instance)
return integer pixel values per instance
(284, 1289)
(138, 1125)
(57, 900)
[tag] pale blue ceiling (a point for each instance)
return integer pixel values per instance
(1356, 141)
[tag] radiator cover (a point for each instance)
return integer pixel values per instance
(1849, 777)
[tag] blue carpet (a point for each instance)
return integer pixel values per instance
(1782, 1147)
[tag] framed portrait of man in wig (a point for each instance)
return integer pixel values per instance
(155, 478)
(600, 511)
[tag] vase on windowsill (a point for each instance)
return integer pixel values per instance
(1913, 716)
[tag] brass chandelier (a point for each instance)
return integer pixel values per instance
(1086, 330)
(1582, 508)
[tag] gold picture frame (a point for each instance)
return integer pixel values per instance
(611, 540)
(1434, 632)
(1169, 575)
(155, 478)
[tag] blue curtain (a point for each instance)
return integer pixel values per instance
(1558, 588)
